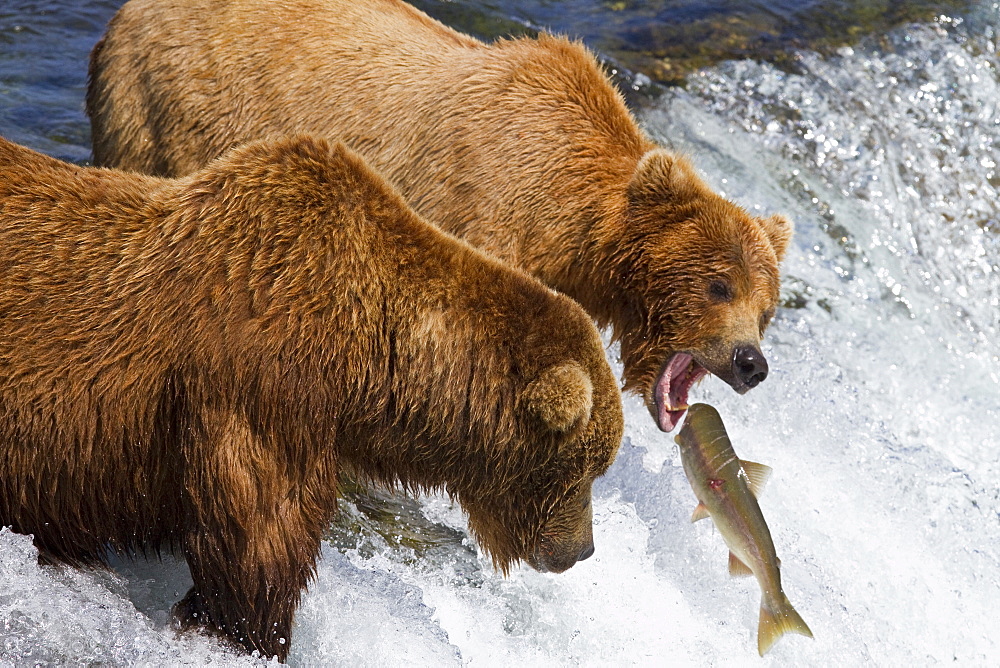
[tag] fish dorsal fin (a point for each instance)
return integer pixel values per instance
(737, 568)
(757, 476)
(700, 512)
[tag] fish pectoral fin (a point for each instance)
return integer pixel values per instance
(700, 512)
(757, 476)
(776, 623)
(737, 568)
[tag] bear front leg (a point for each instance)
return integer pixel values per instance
(252, 538)
(247, 595)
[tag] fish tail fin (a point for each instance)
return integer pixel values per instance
(776, 621)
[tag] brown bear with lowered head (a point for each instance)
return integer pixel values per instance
(521, 147)
(192, 363)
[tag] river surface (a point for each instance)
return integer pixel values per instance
(881, 417)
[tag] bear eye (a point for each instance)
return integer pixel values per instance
(765, 319)
(720, 291)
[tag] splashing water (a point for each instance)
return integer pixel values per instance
(881, 420)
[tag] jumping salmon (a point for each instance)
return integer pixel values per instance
(727, 490)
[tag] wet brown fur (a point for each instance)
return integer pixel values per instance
(521, 147)
(194, 362)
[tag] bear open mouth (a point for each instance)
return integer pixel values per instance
(671, 391)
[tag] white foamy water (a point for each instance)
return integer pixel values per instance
(881, 419)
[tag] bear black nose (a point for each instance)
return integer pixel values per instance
(749, 366)
(586, 552)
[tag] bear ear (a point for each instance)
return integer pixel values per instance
(658, 177)
(779, 230)
(561, 396)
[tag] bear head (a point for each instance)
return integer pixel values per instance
(568, 421)
(703, 278)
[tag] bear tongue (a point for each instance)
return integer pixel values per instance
(671, 391)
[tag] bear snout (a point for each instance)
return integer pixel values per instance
(546, 561)
(749, 367)
(567, 537)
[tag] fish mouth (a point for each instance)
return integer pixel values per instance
(670, 394)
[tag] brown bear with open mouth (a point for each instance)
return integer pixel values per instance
(521, 147)
(193, 363)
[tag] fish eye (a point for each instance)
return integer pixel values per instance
(720, 291)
